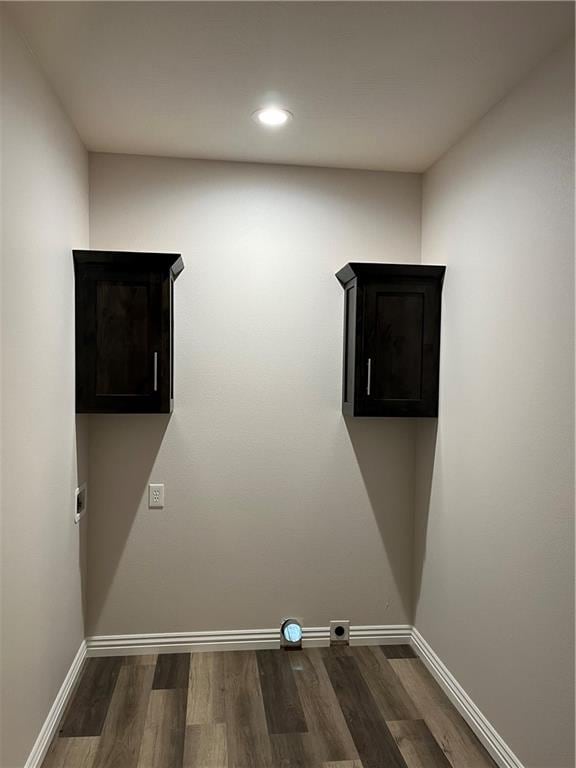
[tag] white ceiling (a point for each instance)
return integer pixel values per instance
(382, 85)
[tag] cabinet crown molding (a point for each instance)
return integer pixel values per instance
(368, 269)
(171, 262)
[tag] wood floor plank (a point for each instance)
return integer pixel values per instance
(419, 748)
(147, 660)
(281, 700)
(355, 708)
(398, 652)
(121, 737)
(451, 732)
(75, 752)
(324, 717)
(206, 746)
(387, 690)
(87, 711)
(246, 728)
(374, 742)
(171, 671)
(163, 738)
(206, 689)
(331, 651)
(293, 750)
(343, 764)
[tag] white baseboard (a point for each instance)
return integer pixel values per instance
(484, 730)
(385, 634)
(48, 730)
(254, 639)
(230, 640)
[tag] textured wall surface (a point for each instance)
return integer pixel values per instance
(274, 504)
(494, 530)
(44, 215)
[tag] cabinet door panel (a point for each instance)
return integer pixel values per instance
(400, 349)
(396, 346)
(124, 347)
(120, 355)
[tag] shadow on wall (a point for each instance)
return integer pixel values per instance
(384, 450)
(426, 436)
(129, 442)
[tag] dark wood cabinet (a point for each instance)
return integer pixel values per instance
(124, 331)
(391, 339)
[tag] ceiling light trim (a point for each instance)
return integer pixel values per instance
(272, 116)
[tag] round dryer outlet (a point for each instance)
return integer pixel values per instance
(340, 632)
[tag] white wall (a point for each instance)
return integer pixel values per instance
(274, 505)
(495, 544)
(45, 214)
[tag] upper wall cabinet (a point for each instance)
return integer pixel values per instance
(124, 331)
(391, 339)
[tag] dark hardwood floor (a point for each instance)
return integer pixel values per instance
(358, 707)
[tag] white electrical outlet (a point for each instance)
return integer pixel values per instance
(340, 632)
(156, 496)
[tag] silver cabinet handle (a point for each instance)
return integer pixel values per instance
(155, 371)
(369, 376)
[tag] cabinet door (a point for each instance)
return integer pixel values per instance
(401, 325)
(121, 355)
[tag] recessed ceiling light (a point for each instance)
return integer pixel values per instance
(272, 117)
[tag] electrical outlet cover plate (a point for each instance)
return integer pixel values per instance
(156, 496)
(81, 502)
(340, 632)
